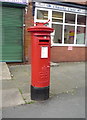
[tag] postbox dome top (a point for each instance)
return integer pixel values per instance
(40, 28)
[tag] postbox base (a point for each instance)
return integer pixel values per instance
(39, 93)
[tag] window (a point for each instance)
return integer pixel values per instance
(69, 27)
(81, 20)
(70, 18)
(41, 14)
(69, 33)
(81, 30)
(57, 33)
(57, 16)
(80, 37)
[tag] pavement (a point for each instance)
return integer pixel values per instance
(5, 74)
(67, 84)
(59, 106)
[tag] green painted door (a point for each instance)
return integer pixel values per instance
(12, 34)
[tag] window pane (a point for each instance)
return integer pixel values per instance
(57, 16)
(70, 18)
(80, 37)
(81, 20)
(57, 38)
(69, 34)
(43, 15)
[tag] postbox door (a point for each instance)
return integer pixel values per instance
(41, 62)
(44, 62)
(44, 74)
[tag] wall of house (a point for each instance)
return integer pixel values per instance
(58, 53)
(63, 54)
(29, 19)
(77, 1)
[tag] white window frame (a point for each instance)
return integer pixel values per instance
(50, 25)
(35, 17)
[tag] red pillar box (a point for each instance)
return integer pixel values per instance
(40, 62)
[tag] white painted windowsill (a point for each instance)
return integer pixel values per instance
(74, 45)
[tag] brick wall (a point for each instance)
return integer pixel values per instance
(62, 54)
(58, 54)
(29, 19)
(77, 1)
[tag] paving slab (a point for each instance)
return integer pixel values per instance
(5, 73)
(11, 97)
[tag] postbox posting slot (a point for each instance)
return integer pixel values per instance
(43, 40)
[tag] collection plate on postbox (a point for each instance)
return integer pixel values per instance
(44, 51)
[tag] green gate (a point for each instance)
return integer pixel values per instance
(12, 34)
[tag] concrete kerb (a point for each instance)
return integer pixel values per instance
(52, 64)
